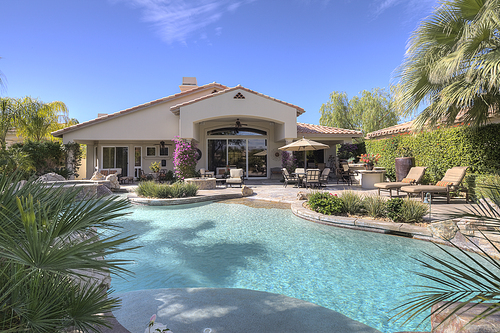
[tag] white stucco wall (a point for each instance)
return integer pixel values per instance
(226, 106)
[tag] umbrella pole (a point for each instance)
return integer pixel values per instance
(305, 159)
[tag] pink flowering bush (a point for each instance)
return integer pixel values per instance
(185, 158)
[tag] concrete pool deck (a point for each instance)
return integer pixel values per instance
(241, 310)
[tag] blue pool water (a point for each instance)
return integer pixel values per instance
(362, 275)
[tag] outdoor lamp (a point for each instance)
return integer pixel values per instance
(162, 144)
(428, 200)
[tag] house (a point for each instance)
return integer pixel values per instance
(232, 126)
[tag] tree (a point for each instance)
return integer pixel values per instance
(7, 117)
(36, 120)
(370, 112)
(452, 63)
(49, 243)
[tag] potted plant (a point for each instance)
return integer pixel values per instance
(370, 160)
(404, 163)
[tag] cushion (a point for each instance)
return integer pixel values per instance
(236, 173)
(407, 180)
(443, 183)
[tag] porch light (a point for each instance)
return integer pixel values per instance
(162, 144)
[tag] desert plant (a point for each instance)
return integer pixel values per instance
(462, 277)
(351, 202)
(147, 189)
(393, 208)
(325, 203)
(412, 211)
(151, 189)
(374, 205)
(48, 246)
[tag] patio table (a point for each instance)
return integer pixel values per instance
(300, 176)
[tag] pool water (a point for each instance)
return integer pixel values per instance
(362, 275)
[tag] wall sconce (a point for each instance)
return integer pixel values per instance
(162, 144)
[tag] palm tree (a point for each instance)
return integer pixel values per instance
(50, 242)
(452, 64)
(36, 119)
(7, 116)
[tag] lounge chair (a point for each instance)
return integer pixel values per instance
(450, 182)
(323, 178)
(235, 177)
(289, 178)
(312, 178)
(412, 178)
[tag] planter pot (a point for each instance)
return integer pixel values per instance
(368, 166)
(403, 166)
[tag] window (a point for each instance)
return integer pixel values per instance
(164, 151)
(150, 151)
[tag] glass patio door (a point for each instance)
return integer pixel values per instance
(115, 157)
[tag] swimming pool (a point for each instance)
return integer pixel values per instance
(359, 274)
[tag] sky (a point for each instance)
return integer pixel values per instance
(103, 56)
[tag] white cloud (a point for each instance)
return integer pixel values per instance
(414, 9)
(177, 20)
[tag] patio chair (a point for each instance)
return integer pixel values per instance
(450, 182)
(412, 178)
(235, 177)
(206, 174)
(344, 173)
(323, 178)
(312, 178)
(289, 178)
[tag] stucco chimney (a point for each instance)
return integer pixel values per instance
(188, 83)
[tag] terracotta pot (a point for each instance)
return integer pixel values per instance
(403, 166)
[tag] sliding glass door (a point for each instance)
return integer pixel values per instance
(115, 157)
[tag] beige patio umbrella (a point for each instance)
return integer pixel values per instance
(304, 145)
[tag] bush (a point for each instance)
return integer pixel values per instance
(352, 202)
(374, 205)
(325, 203)
(443, 148)
(412, 211)
(150, 189)
(393, 208)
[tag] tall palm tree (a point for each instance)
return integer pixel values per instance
(50, 242)
(452, 64)
(7, 116)
(36, 119)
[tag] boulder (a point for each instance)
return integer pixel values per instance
(445, 229)
(51, 177)
(103, 190)
(246, 191)
(113, 182)
(301, 196)
(98, 176)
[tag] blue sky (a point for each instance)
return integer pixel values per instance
(103, 56)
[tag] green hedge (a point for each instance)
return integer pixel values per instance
(441, 149)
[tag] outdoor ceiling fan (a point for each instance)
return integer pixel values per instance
(238, 124)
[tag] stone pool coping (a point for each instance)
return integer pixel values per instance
(182, 201)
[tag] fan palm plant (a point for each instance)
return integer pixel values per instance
(452, 64)
(463, 277)
(51, 248)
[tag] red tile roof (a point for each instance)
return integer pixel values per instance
(176, 108)
(213, 85)
(318, 129)
(399, 128)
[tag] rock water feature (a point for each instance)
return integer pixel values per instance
(202, 183)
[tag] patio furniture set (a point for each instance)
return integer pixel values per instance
(306, 178)
(235, 177)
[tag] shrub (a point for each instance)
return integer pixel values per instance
(374, 205)
(412, 211)
(393, 208)
(352, 202)
(325, 203)
(151, 189)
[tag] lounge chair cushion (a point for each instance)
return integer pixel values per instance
(407, 180)
(443, 183)
(388, 185)
(424, 188)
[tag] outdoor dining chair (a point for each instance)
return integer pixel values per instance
(344, 173)
(312, 178)
(323, 178)
(289, 178)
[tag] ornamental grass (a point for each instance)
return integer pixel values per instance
(151, 189)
